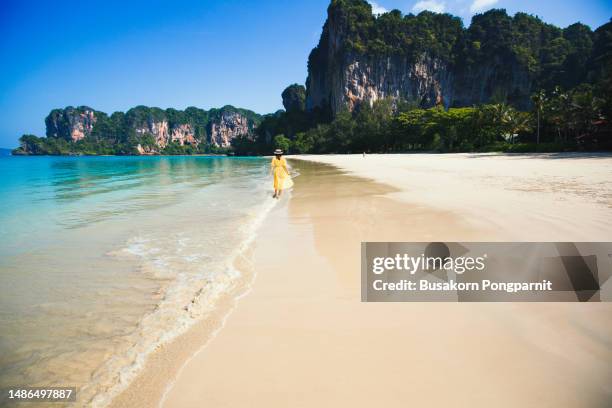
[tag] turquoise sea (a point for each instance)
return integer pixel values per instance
(104, 258)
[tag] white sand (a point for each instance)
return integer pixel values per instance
(536, 197)
(302, 338)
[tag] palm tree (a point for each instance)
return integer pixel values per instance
(519, 122)
(539, 100)
(560, 113)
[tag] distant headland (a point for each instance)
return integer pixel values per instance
(140, 131)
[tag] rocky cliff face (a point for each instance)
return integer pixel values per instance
(294, 98)
(361, 79)
(347, 68)
(228, 126)
(181, 133)
(426, 81)
(496, 78)
(184, 134)
(150, 130)
(71, 123)
(158, 129)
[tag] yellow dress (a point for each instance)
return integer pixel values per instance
(282, 179)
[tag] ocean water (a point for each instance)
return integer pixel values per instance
(104, 258)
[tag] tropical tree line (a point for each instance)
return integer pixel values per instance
(558, 121)
(34, 145)
(571, 66)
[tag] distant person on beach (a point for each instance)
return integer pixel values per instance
(282, 179)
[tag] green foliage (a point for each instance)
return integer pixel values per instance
(303, 143)
(253, 118)
(245, 146)
(32, 145)
(539, 47)
(281, 142)
(116, 134)
(456, 129)
(174, 148)
(600, 62)
(522, 51)
(574, 120)
(571, 68)
(391, 33)
(294, 98)
(198, 118)
(517, 54)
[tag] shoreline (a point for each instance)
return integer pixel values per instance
(151, 384)
(148, 387)
(416, 152)
(266, 332)
(171, 355)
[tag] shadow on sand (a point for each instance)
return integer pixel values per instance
(561, 155)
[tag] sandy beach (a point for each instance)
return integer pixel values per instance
(536, 197)
(309, 204)
(298, 335)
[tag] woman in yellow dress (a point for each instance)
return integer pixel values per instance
(282, 179)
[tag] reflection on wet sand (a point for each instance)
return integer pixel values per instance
(346, 210)
(302, 337)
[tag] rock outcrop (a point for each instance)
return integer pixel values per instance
(163, 133)
(361, 79)
(227, 126)
(294, 98)
(151, 130)
(157, 129)
(71, 124)
(183, 134)
(429, 59)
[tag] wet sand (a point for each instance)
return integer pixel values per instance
(302, 338)
(521, 197)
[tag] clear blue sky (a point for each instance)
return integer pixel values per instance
(113, 55)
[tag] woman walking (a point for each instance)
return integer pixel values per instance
(282, 179)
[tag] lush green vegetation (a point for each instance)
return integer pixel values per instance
(392, 33)
(570, 68)
(575, 120)
(116, 134)
(564, 101)
(547, 54)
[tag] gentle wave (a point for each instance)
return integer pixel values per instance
(197, 307)
(113, 258)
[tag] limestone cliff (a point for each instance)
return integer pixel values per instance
(146, 130)
(72, 124)
(227, 126)
(357, 79)
(294, 98)
(183, 134)
(157, 129)
(163, 133)
(429, 59)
